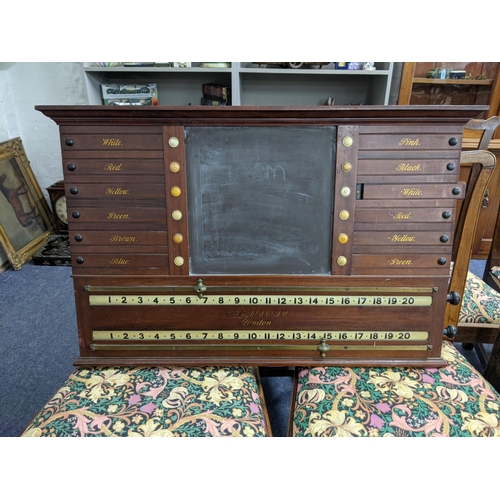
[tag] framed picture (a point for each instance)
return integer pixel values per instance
(25, 217)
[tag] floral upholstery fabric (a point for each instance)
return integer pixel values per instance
(155, 402)
(495, 271)
(480, 304)
(454, 400)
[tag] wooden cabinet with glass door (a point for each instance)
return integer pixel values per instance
(421, 84)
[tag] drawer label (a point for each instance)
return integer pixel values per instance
(411, 192)
(402, 216)
(122, 239)
(117, 191)
(403, 238)
(406, 141)
(115, 216)
(406, 167)
(110, 167)
(400, 262)
(111, 142)
(118, 261)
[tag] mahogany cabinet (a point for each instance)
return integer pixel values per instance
(275, 236)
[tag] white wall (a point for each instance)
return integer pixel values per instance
(22, 87)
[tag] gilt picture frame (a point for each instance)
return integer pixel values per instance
(25, 217)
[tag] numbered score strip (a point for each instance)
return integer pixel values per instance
(255, 335)
(259, 300)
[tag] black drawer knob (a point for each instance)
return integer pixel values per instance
(450, 167)
(453, 298)
(446, 215)
(450, 331)
(441, 261)
(69, 141)
(71, 167)
(453, 141)
(73, 190)
(79, 260)
(75, 214)
(456, 191)
(78, 237)
(444, 238)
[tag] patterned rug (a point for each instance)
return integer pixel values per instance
(155, 402)
(454, 400)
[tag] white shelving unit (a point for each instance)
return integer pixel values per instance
(251, 84)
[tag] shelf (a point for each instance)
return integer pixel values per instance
(448, 81)
(250, 84)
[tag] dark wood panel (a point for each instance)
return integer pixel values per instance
(93, 169)
(397, 168)
(406, 214)
(110, 140)
(120, 261)
(413, 191)
(115, 189)
(118, 238)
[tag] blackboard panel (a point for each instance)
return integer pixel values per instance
(260, 199)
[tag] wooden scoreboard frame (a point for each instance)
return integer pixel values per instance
(136, 215)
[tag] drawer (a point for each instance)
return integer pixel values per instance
(75, 168)
(405, 215)
(412, 191)
(117, 216)
(410, 138)
(114, 190)
(398, 167)
(111, 141)
(119, 260)
(402, 238)
(399, 263)
(117, 238)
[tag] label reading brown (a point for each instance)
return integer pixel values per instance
(122, 239)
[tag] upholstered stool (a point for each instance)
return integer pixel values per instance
(159, 402)
(454, 400)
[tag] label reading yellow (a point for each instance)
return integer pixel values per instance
(402, 238)
(117, 191)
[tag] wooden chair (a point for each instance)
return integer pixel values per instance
(454, 400)
(477, 315)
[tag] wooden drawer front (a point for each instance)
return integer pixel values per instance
(109, 141)
(407, 263)
(119, 260)
(114, 190)
(410, 138)
(397, 167)
(406, 215)
(111, 138)
(117, 216)
(121, 238)
(75, 168)
(402, 238)
(413, 191)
